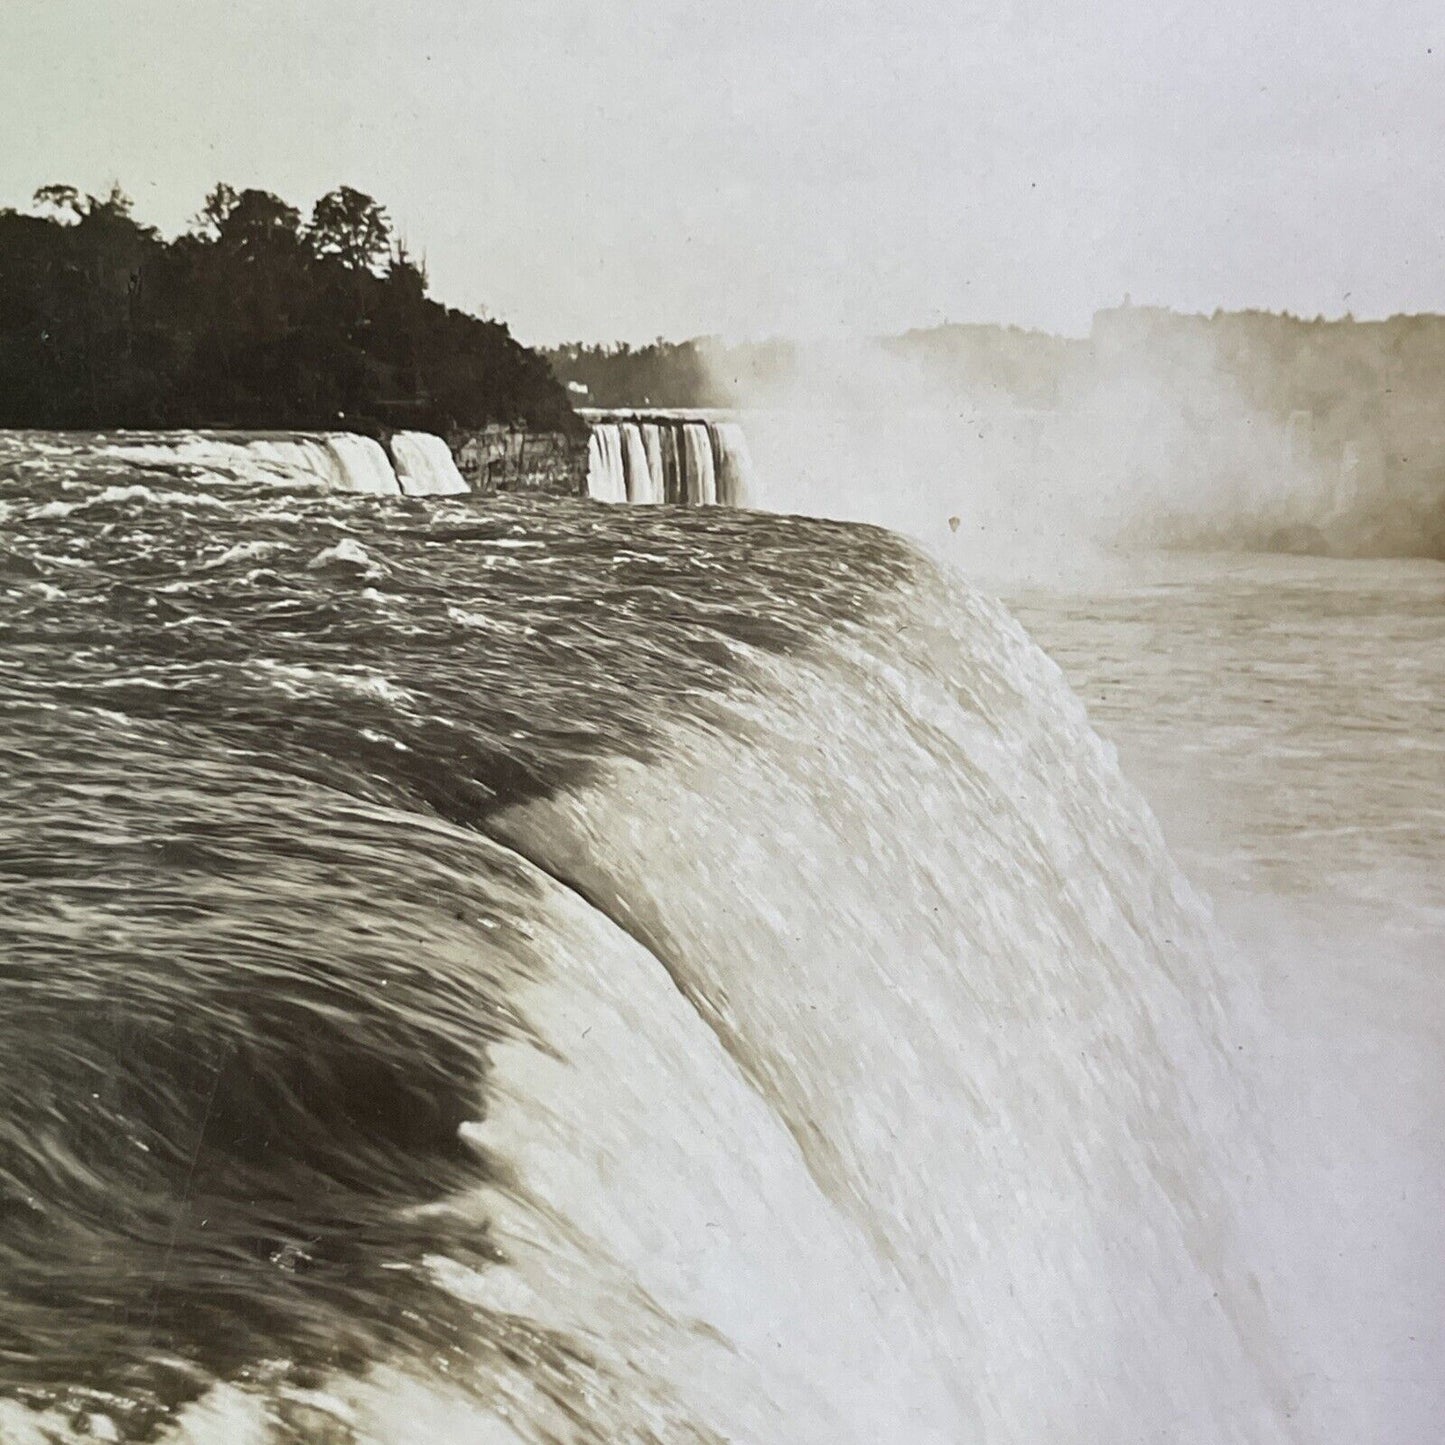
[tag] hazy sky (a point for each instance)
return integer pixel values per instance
(607, 169)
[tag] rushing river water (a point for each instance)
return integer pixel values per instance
(488, 971)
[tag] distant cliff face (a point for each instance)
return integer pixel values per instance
(516, 459)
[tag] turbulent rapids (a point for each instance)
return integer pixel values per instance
(497, 972)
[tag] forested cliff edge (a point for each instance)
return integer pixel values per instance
(254, 317)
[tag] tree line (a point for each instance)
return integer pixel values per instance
(253, 318)
(662, 373)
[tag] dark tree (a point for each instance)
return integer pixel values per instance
(249, 320)
(351, 227)
(219, 205)
(259, 221)
(61, 201)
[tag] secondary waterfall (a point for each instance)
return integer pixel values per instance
(639, 479)
(687, 461)
(701, 473)
(656, 462)
(605, 477)
(420, 464)
(736, 479)
(362, 465)
(425, 466)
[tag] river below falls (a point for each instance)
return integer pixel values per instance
(1283, 717)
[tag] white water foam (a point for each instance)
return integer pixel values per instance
(654, 1212)
(985, 1005)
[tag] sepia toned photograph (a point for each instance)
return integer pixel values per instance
(722, 725)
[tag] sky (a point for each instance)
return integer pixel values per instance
(748, 168)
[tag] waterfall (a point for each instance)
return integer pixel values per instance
(606, 479)
(453, 947)
(277, 460)
(672, 465)
(362, 464)
(425, 466)
(652, 441)
(701, 477)
(735, 486)
(636, 465)
(596, 464)
(679, 460)
(321, 461)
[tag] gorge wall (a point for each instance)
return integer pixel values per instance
(517, 459)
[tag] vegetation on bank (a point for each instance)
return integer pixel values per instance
(662, 374)
(709, 372)
(254, 318)
(1349, 369)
